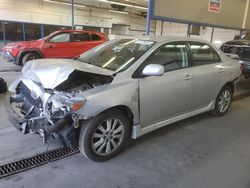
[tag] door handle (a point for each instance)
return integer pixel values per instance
(51, 46)
(188, 77)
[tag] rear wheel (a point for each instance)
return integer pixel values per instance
(29, 56)
(104, 136)
(223, 101)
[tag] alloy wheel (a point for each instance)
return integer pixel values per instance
(224, 101)
(108, 136)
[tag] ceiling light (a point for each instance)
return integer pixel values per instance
(124, 4)
(117, 11)
(217, 42)
(64, 3)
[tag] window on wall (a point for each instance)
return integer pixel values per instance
(1, 32)
(13, 31)
(48, 29)
(91, 28)
(32, 31)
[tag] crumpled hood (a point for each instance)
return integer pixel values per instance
(52, 72)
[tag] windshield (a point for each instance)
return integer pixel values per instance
(117, 55)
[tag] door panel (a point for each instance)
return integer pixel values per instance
(207, 72)
(58, 46)
(169, 95)
(207, 82)
(165, 96)
(80, 47)
(57, 50)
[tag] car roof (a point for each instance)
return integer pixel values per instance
(167, 38)
(79, 30)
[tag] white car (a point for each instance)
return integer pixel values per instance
(123, 88)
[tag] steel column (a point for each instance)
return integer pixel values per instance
(149, 12)
(4, 34)
(188, 30)
(241, 33)
(23, 30)
(42, 31)
(212, 35)
(72, 14)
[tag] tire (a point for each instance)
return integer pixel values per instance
(100, 142)
(29, 56)
(223, 101)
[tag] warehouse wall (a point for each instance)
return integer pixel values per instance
(176, 29)
(37, 11)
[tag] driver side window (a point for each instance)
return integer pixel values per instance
(172, 56)
(62, 37)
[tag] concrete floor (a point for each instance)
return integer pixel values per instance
(200, 152)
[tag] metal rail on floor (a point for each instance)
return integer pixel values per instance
(32, 162)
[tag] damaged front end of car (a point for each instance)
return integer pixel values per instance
(53, 112)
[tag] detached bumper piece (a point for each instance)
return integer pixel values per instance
(26, 114)
(63, 131)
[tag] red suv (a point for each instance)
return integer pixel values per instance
(59, 44)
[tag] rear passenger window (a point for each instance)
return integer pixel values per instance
(203, 54)
(172, 56)
(95, 37)
(81, 37)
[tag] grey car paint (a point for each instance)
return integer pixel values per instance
(154, 101)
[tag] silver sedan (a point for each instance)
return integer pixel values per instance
(122, 89)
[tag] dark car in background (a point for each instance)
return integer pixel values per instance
(59, 44)
(239, 49)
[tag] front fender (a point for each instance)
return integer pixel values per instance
(109, 96)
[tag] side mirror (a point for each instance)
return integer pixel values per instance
(153, 70)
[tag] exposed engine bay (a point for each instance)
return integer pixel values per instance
(79, 82)
(52, 113)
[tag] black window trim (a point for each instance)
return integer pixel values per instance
(138, 72)
(75, 32)
(91, 37)
(191, 55)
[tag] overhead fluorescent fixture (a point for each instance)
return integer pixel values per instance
(124, 4)
(117, 11)
(217, 42)
(64, 3)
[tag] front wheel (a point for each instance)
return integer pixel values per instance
(223, 101)
(29, 56)
(104, 136)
